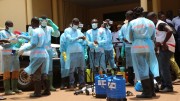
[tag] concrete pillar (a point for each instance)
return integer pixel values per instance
(156, 5)
(55, 11)
(29, 11)
(144, 5)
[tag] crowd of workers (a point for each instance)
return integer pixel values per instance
(148, 43)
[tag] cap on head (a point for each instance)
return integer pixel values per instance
(9, 23)
(44, 17)
(151, 15)
(94, 21)
(75, 21)
(108, 21)
(129, 13)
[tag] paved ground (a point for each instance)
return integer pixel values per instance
(68, 96)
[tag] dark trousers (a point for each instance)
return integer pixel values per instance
(164, 66)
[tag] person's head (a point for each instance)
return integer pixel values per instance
(138, 12)
(94, 23)
(43, 21)
(9, 26)
(75, 23)
(35, 22)
(129, 15)
(107, 23)
(119, 27)
(159, 14)
(169, 14)
(163, 17)
(152, 16)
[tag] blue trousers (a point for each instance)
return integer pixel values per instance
(109, 57)
(77, 61)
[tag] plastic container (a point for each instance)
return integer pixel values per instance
(89, 76)
(116, 89)
(100, 86)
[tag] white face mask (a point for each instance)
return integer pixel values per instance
(94, 25)
(44, 23)
(75, 26)
(80, 29)
(108, 27)
(30, 29)
(10, 29)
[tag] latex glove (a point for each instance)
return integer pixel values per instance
(19, 43)
(24, 37)
(21, 36)
(85, 54)
(86, 57)
(20, 52)
(122, 51)
(53, 25)
(64, 56)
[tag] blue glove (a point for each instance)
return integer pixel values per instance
(85, 54)
(53, 25)
(19, 43)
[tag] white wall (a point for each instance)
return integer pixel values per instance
(14, 10)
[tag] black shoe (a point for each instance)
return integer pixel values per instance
(62, 87)
(37, 89)
(167, 89)
(153, 94)
(147, 89)
(144, 96)
(71, 88)
(162, 87)
(46, 91)
(33, 95)
(129, 84)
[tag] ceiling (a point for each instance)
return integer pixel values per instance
(101, 3)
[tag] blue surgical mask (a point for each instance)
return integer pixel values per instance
(94, 25)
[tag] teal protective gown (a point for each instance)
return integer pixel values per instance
(10, 59)
(96, 54)
(74, 46)
(64, 71)
(49, 31)
(141, 34)
(38, 55)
